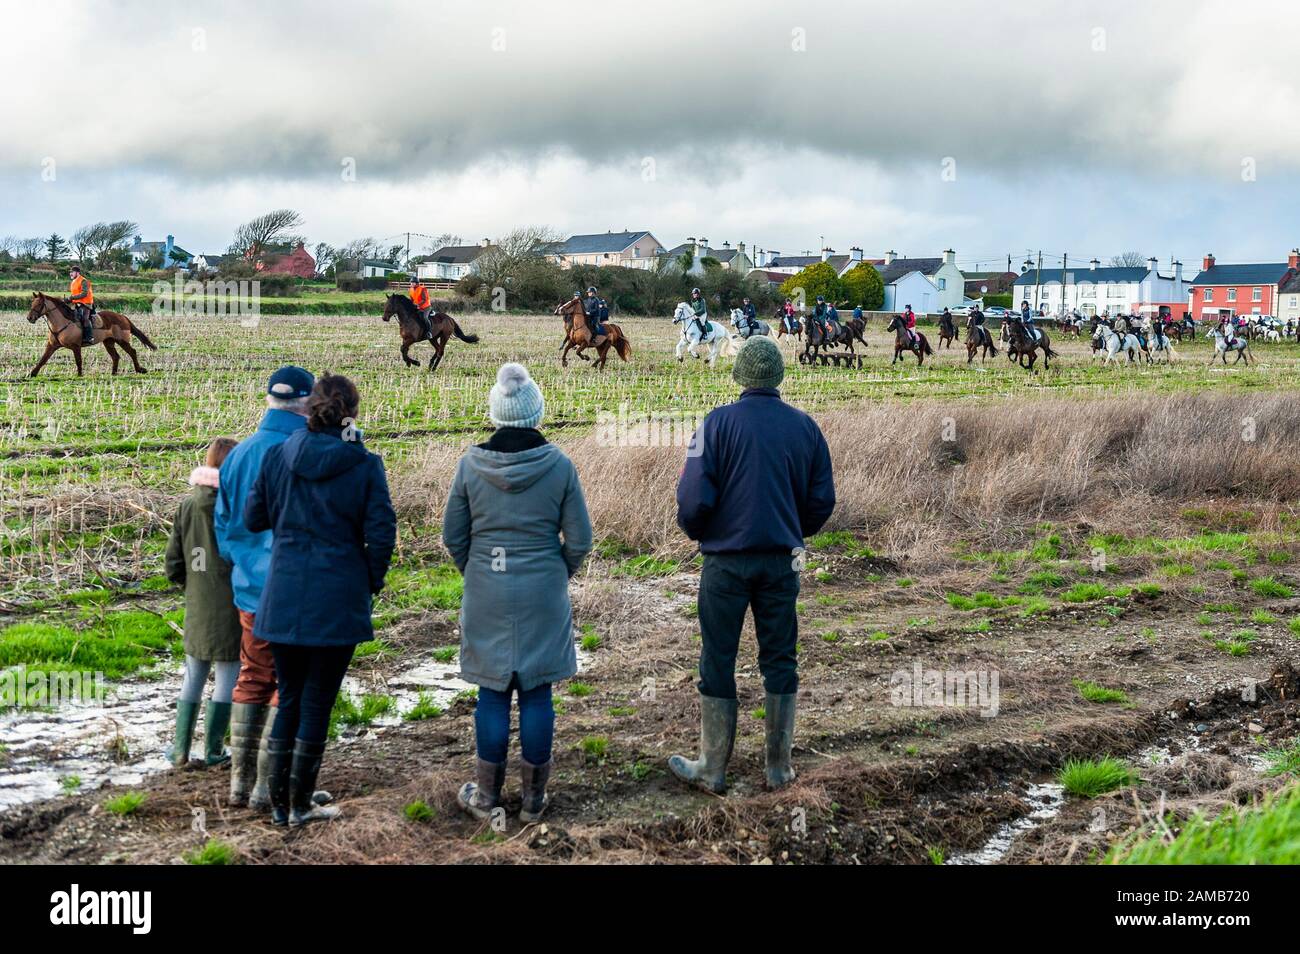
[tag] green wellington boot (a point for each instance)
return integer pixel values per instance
(246, 723)
(214, 733)
(779, 722)
(187, 716)
(717, 737)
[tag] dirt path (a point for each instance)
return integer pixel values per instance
(878, 782)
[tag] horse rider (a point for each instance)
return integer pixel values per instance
(701, 309)
(818, 316)
(1027, 321)
(833, 319)
(909, 322)
(976, 321)
(945, 320)
(591, 308)
(423, 305)
(82, 296)
(751, 317)
(787, 316)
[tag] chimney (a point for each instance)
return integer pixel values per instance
(1178, 271)
(726, 244)
(1293, 260)
(1153, 264)
(855, 254)
(740, 249)
(704, 246)
(949, 257)
(890, 256)
(1094, 264)
(826, 253)
(486, 242)
(1207, 263)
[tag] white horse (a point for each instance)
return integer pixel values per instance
(718, 340)
(1159, 342)
(1239, 346)
(747, 328)
(1112, 344)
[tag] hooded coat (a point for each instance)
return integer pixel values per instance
(325, 501)
(517, 527)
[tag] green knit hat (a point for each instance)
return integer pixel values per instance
(759, 364)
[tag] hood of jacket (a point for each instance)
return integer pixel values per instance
(321, 455)
(513, 472)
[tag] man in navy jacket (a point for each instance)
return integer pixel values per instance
(757, 481)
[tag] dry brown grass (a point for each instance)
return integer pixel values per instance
(913, 477)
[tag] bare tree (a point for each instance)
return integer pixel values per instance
(8, 243)
(97, 242)
(514, 254)
(441, 241)
(358, 249)
(325, 256)
(1128, 260)
(254, 238)
(30, 248)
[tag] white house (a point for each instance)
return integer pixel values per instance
(793, 264)
(375, 268)
(947, 281)
(1101, 289)
(915, 289)
(733, 259)
(451, 263)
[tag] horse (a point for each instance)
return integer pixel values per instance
(915, 342)
(1157, 341)
(1112, 343)
(977, 337)
(947, 330)
(1022, 345)
(715, 337)
(1241, 346)
(850, 331)
(578, 336)
(778, 321)
(65, 332)
(748, 328)
(408, 326)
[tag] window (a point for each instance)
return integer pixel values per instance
(1087, 291)
(1257, 294)
(1232, 294)
(1209, 295)
(1293, 301)
(943, 284)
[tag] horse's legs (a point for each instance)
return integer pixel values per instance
(112, 353)
(49, 350)
(406, 357)
(76, 353)
(130, 353)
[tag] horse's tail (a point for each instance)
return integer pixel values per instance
(622, 345)
(468, 339)
(144, 338)
(1047, 350)
(925, 343)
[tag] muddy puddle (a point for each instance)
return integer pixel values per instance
(121, 739)
(1044, 801)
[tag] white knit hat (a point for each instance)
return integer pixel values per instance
(515, 400)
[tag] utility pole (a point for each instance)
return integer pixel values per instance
(1038, 279)
(1064, 258)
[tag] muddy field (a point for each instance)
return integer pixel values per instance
(1127, 576)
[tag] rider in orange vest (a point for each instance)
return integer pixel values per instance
(423, 305)
(83, 300)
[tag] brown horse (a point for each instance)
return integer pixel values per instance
(779, 324)
(977, 337)
(948, 332)
(1019, 345)
(65, 332)
(919, 346)
(408, 326)
(577, 336)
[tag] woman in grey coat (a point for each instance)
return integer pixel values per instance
(517, 528)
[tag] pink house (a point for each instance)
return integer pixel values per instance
(298, 262)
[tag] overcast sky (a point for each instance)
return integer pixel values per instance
(1169, 128)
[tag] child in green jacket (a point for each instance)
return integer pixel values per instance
(212, 629)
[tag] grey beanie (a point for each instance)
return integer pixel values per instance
(515, 400)
(759, 364)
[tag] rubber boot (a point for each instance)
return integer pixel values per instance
(779, 722)
(246, 723)
(479, 798)
(279, 766)
(302, 785)
(260, 799)
(717, 737)
(187, 716)
(214, 733)
(532, 785)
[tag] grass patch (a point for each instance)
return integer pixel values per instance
(128, 803)
(1265, 835)
(595, 746)
(1095, 693)
(1284, 761)
(213, 852)
(578, 690)
(1270, 587)
(424, 708)
(1088, 778)
(419, 811)
(645, 565)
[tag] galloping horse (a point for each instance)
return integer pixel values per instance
(778, 322)
(408, 326)
(1021, 346)
(1239, 346)
(947, 330)
(749, 328)
(716, 337)
(918, 345)
(578, 335)
(65, 332)
(977, 337)
(1111, 343)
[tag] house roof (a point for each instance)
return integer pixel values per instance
(723, 255)
(457, 254)
(901, 266)
(896, 278)
(597, 242)
(794, 261)
(1100, 274)
(377, 263)
(1251, 274)
(980, 276)
(1291, 284)
(774, 278)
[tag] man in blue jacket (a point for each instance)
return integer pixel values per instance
(249, 555)
(757, 481)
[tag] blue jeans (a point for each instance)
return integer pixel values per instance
(536, 723)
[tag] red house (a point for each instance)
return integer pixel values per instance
(298, 262)
(1251, 289)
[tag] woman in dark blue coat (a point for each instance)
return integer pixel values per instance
(325, 499)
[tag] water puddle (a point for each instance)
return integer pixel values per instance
(1044, 800)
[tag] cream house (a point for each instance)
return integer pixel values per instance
(627, 249)
(948, 281)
